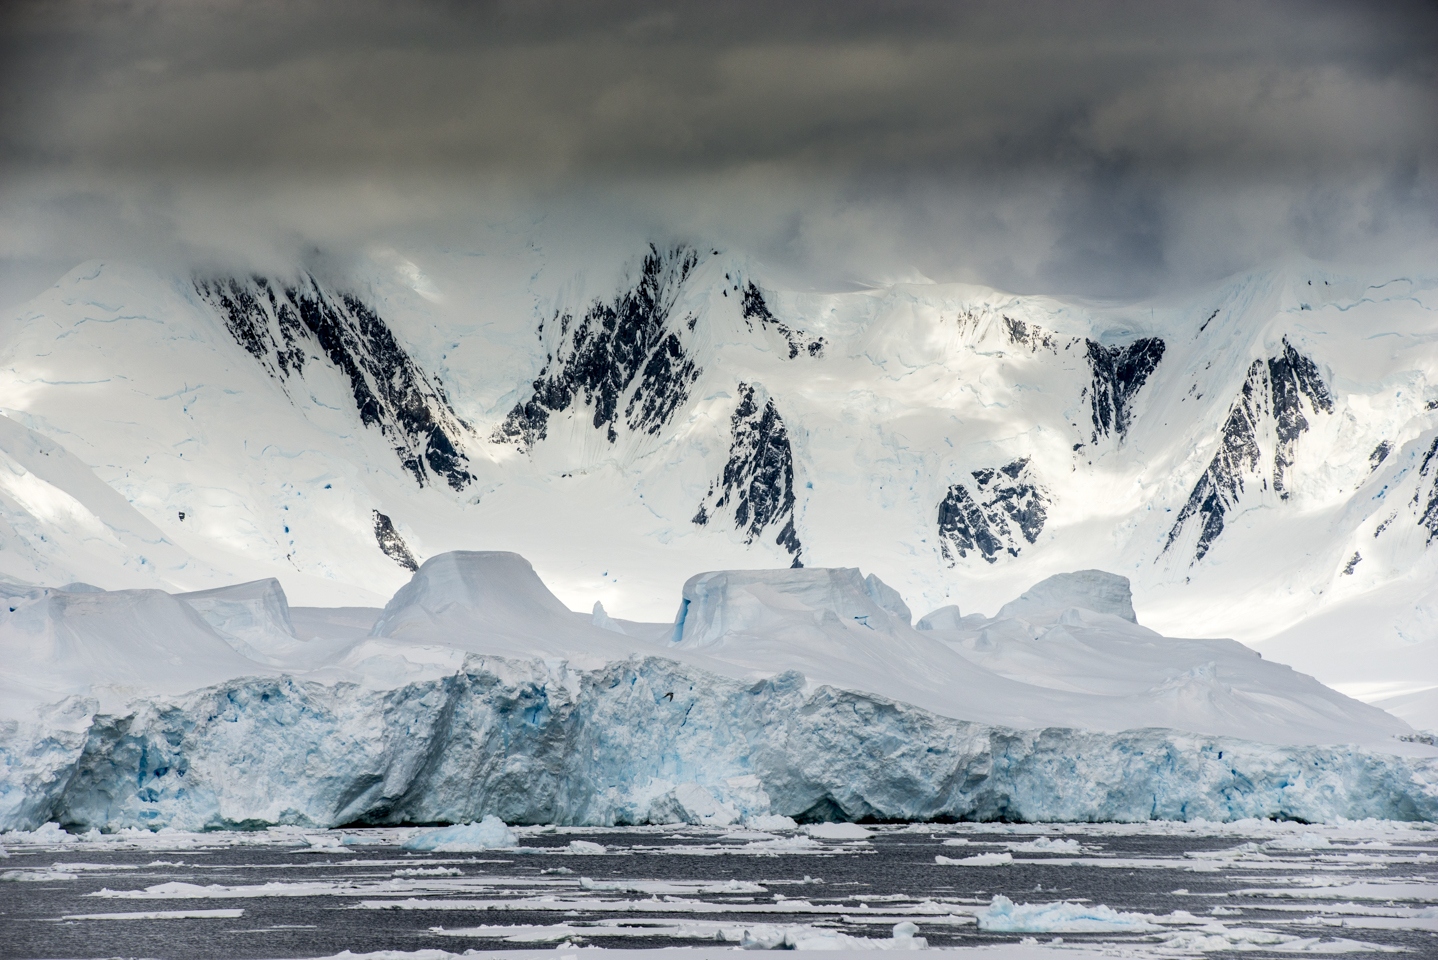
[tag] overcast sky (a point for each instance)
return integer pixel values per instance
(1099, 149)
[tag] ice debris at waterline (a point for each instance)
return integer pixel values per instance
(489, 834)
(1005, 916)
(800, 693)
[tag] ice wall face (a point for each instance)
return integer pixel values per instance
(278, 324)
(801, 692)
(636, 742)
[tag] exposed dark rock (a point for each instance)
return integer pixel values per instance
(1272, 390)
(619, 349)
(1353, 562)
(1379, 454)
(1427, 499)
(279, 324)
(758, 479)
(756, 308)
(392, 543)
(1007, 508)
(1033, 336)
(1119, 373)
(1292, 376)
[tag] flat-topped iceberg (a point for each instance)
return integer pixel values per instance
(799, 694)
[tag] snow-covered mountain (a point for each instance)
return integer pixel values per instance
(1260, 458)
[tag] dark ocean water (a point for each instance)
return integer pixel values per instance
(686, 886)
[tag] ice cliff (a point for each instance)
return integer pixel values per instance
(801, 693)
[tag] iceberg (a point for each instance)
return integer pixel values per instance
(778, 697)
(1005, 916)
(489, 834)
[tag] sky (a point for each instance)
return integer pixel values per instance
(1101, 150)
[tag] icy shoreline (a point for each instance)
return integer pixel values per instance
(646, 740)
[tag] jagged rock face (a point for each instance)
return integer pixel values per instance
(1119, 373)
(619, 354)
(1007, 508)
(1271, 399)
(280, 324)
(755, 308)
(1292, 376)
(758, 479)
(1426, 500)
(1033, 336)
(392, 543)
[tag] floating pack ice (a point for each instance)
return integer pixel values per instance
(491, 833)
(1005, 916)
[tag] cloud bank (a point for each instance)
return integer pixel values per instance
(1106, 150)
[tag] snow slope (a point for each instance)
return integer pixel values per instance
(779, 692)
(1257, 458)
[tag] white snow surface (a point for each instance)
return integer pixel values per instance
(125, 403)
(775, 694)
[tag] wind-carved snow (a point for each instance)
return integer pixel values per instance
(1269, 410)
(758, 478)
(1006, 509)
(392, 543)
(278, 324)
(1095, 590)
(619, 354)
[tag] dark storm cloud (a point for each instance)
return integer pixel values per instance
(1088, 147)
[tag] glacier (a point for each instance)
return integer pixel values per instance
(799, 693)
